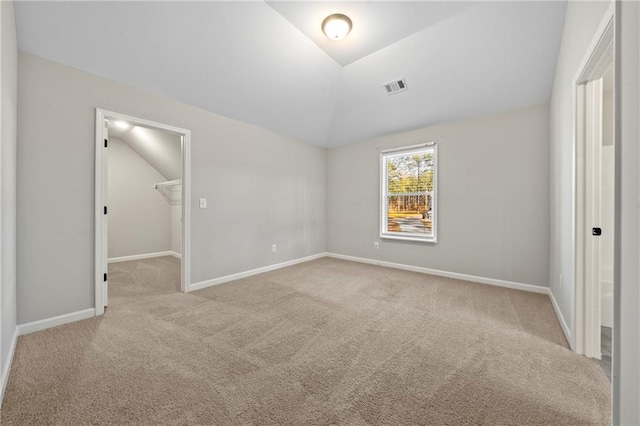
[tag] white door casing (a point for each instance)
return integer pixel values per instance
(105, 218)
(101, 222)
(101, 215)
(588, 89)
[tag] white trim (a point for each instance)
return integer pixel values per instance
(407, 148)
(592, 208)
(455, 275)
(176, 255)
(239, 275)
(401, 237)
(578, 228)
(185, 279)
(563, 324)
(101, 196)
(142, 256)
(31, 327)
(6, 368)
(100, 236)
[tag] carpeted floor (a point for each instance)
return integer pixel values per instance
(326, 342)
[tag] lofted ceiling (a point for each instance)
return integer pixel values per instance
(268, 64)
(376, 24)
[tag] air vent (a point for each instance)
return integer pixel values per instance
(395, 86)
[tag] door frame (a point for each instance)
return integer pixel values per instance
(101, 197)
(599, 55)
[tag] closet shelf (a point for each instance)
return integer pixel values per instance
(171, 191)
(168, 183)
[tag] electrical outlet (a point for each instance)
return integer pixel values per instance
(376, 245)
(274, 248)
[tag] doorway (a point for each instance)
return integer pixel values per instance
(142, 199)
(595, 202)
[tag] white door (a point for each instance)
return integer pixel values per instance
(607, 203)
(593, 175)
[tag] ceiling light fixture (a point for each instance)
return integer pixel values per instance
(336, 26)
(121, 124)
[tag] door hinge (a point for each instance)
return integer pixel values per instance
(105, 209)
(105, 143)
(105, 277)
(596, 231)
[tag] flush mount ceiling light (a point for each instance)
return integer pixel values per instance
(336, 26)
(121, 124)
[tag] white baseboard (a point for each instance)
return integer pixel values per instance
(31, 327)
(176, 255)
(237, 276)
(563, 324)
(142, 256)
(455, 275)
(6, 368)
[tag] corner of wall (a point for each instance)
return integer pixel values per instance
(563, 323)
(8, 145)
(6, 368)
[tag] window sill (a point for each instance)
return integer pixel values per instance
(415, 238)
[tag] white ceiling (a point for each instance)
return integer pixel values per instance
(161, 149)
(268, 65)
(489, 58)
(375, 24)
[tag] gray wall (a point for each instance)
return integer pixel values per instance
(626, 338)
(139, 217)
(8, 108)
(581, 22)
(262, 188)
(493, 198)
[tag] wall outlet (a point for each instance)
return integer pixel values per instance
(203, 203)
(274, 248)
(376, 245)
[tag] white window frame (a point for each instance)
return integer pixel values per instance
(407, 150)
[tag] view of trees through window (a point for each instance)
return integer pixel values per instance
(410, 192)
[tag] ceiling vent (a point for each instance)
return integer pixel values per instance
(395, 86)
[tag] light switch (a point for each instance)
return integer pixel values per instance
(203, 203)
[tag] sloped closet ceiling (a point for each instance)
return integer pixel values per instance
(265, 64)
(161, 149)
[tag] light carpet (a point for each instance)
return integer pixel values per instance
(327, 342)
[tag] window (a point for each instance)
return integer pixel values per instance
(408, 193)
